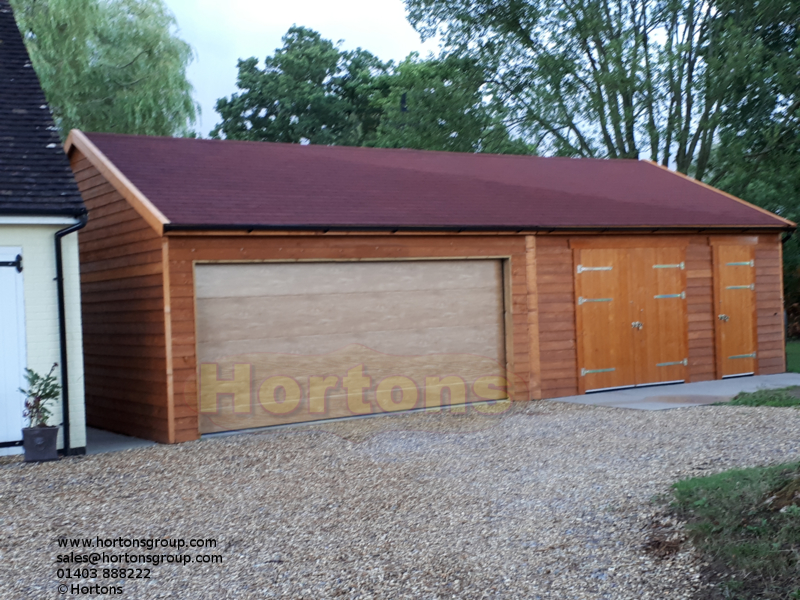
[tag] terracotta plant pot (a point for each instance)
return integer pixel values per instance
(40, 443)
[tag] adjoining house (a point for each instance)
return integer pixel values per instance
(40, 211)
(229, 285)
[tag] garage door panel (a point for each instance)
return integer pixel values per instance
(416, 322)
(254, 318)
(286, 279)
(480, 340)
(375, 366)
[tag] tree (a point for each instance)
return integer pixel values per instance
(596, 77)
(309, 90)
(110, 65)
(440, 105)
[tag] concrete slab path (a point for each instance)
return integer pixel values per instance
(99, 441)
(664, 397)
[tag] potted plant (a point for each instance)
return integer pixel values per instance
(39, 438)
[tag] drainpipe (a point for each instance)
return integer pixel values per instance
(62, 326)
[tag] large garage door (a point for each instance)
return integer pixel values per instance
(290, 342)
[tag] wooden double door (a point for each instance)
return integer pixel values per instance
(631, 316)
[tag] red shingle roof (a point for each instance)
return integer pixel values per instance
(210, 184)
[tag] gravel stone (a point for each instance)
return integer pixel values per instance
(547, 500)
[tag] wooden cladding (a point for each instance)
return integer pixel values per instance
(126, 377)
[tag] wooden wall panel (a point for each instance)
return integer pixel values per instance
(700, 308)
(185, 250)
(556, 302)
(123, 313)
(769, 305)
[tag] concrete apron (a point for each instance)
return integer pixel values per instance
(664, 397)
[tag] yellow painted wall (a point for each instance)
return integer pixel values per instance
(41, 312)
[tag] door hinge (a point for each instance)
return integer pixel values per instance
(680, 266)
(585, 372)
(747, 263)
(13, 263)
(665, 296)
(582, 269)
(684, 362)
(582, 300)
(751, 355)
(752, 286)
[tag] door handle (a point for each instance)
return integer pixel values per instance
(724, 318)
(637, 324)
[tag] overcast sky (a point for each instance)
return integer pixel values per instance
(222, 31)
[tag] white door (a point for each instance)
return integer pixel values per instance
(12, 349)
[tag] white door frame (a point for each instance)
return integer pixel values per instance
(13, 359)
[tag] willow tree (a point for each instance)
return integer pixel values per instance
(110, 65)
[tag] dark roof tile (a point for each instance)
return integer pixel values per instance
(35, 177)
(209, 183)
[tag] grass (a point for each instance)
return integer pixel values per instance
(783, 397)
(793, 357)
(747, 523)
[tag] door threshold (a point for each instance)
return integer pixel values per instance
(738, 375)
(640, 385)
(610, 389)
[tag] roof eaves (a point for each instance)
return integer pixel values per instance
(188, 227)
(789, 224)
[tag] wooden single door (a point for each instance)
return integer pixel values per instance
(735, 299)
(658, 313)
(605, 342)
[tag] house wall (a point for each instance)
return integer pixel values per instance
(41, 312)
(123, 313)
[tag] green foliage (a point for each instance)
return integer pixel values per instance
(793, 357)
(730, 517)
(110, 65)
(439, 105)
(42, 391)
(779, 398)
(308, 90)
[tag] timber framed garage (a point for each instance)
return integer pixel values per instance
(229, 285)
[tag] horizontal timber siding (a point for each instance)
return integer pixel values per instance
(700, 309)
(769, 306)
(123, 313)
(556, 300)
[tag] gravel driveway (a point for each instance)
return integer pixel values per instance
(548, 500)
